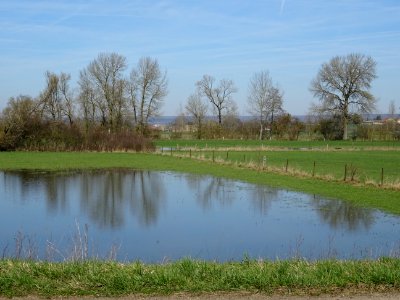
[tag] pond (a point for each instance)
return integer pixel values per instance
(159, 216)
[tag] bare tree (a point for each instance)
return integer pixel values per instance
(343, 85)
(147, 89)
(392, 108)
(87, 100)
(50, 99)
(264, 99)
(68, 108)
(197, 109)
(104, 80)
(220, 96)
(56, 100)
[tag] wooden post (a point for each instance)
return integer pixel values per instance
(213, 157)
(227, 154)
(345, 172)
(171, 151)
(190, 153)
(313, 171)
(162, 149)
(287, 165)
(382, 177)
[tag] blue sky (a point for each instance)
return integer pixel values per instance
(225, 39)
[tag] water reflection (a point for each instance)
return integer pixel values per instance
(343, 214)
(106, 195)
(210, 191)
(154, 215)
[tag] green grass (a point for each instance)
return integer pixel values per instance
(277, 144)
(93, 278)
(368, 163)
(367, 196)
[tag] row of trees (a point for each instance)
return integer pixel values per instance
(105, 95)
(265, 100)
(342, 86)
(107, 101)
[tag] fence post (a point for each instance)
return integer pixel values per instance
(162, 150)
(382, 177)
(213, 156)
(287, 165)
(345, 172)
(227, 154)
(313, 171)
(190, 153)
(171, 151)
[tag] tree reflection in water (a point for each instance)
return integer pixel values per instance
(262, 197)
(107, 194)
(147, 196)
(166, 214)
(343, 214)
(103, 195)
(209, 191)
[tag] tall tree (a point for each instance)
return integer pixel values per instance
(392, 108)
(68, 107)
(219, 96)
(87, 100)
(147, 89)
(56, 100)
(104, 77)
(50, 99)
(343, 85)
(264, 100)
(197, 109)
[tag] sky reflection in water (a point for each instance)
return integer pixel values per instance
(154, 216)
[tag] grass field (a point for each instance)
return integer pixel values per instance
(19, 278)
(330, 145)
(366, 164)
(94, 278)
(370, 162)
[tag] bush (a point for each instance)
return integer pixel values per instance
(101, 139)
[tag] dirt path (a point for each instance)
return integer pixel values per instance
(263, 297)
(233, 296)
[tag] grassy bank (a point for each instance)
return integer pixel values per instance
(21, 278)
(220, 143)
(367, 165)
(369, 162)
(367, 196)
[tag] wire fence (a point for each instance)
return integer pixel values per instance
(370, 167)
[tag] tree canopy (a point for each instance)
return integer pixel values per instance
(342, 85)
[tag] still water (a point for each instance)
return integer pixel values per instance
(159, 216)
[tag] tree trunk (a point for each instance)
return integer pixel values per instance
(345, 117)
(199, 129)
(345, 128)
